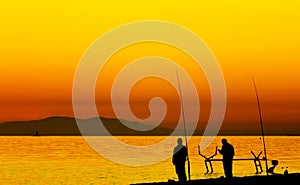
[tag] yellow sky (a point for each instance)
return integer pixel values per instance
(42, 43)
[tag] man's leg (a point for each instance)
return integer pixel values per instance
(180, 170)
(182, 176)
(228, 169)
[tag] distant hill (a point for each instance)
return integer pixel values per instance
(68, 126)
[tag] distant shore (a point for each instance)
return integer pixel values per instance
(66, 126)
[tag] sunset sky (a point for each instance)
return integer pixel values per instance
(42, 43)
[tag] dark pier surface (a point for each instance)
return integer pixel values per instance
(293, 178)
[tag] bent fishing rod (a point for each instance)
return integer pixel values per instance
(183, 118)
(261, 125)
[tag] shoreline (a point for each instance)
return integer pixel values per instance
(289, 179)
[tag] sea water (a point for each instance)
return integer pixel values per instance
(70, 160)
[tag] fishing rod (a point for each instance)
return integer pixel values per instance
(183, 118)
(261, 125)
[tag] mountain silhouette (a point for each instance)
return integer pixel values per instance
(68, 126)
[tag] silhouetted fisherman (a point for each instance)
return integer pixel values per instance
(228, 152)
(179, 157)
(271, 169)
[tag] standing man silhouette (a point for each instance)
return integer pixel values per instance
(180, 154)
(228, 152)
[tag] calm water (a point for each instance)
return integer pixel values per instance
(69, 160)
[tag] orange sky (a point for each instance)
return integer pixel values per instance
(42, 43)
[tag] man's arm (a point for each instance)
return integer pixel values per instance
(220, 151)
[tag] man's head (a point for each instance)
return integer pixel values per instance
(224, 141)
(179, 141)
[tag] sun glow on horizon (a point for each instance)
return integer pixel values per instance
(42, 44)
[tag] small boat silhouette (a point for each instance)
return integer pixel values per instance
(37, 133)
